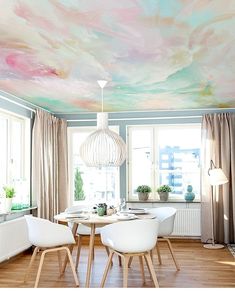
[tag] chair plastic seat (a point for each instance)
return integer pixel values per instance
(128, 239)
(49, 237)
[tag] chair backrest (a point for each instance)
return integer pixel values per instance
(44, 233)
(131, 236)
(166, 218)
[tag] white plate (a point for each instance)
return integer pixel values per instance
(137, 211)
(76, 215)
(126, 217)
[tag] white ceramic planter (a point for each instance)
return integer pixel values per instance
(8, 204)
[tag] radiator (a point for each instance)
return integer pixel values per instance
(13, 238)
(187, 222)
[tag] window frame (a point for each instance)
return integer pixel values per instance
(70, 132)
(25, 151)
(154, 161)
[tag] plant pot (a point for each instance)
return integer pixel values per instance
(143, 196)
(8, 204)
(163, 196)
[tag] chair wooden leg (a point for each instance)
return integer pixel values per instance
(107, 268)
(30, 263)
(141, 268)
(151, 269)
(130, 261)
(39, 269)
(120, 261)
(74, 231)
(158, 254)
(147, 265)
(59, 261)
(172, 254)
(125, 270)
(107, 251)
(72, 266)
(79, 244)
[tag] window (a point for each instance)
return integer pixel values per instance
(90, 185)
(164, 154)
(15, 157)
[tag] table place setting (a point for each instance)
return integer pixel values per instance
(125, 216)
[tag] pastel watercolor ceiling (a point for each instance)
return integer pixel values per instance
(155, 54)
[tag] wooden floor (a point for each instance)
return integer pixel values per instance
(200, 267)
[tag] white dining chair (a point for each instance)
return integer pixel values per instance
(128, 239)
(48, 237)
(82, 231)
(166, 218)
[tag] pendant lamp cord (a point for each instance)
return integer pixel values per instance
(102, 99)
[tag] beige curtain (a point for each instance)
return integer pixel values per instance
(218, 144)
(49, 164)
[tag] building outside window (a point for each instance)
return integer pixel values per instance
(90, 185)
(164, 154)
(15, 157)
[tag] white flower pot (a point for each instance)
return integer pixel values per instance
(8, 204)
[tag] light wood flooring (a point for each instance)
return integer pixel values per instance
(200, 267)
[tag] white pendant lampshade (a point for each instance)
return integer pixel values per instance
(104, 147)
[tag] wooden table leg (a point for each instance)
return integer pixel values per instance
(91, 249)
(74, 231)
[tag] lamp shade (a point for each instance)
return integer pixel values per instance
(217, 177)
(103, 147)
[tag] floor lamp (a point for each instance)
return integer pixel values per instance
(216, 178)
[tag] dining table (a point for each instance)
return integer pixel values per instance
(93, 220)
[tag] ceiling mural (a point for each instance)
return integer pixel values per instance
(155, 54)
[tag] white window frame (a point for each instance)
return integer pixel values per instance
(154, 128)
(25, 149)
(71, 131)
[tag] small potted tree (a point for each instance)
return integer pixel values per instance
(9, 193)
(143, 192)
(163, 192)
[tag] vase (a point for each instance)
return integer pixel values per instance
(8, 204)
(143, 196)
(189, 195)
(163, 196)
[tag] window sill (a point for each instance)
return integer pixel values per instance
(158, 201)
(14, 214)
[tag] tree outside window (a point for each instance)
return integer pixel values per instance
(78, 186)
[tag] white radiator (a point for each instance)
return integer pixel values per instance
(187, 222)
(13, 238)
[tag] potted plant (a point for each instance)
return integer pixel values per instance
(163, 192)
(9, 193)
(143, 192)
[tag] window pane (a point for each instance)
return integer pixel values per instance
(164, 154)
(15, 157)
(141, 170)
(92, 185)
(16, 150)
(179, 157)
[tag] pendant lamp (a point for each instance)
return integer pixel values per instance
(104, 147)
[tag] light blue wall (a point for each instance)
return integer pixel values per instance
(123, 119)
